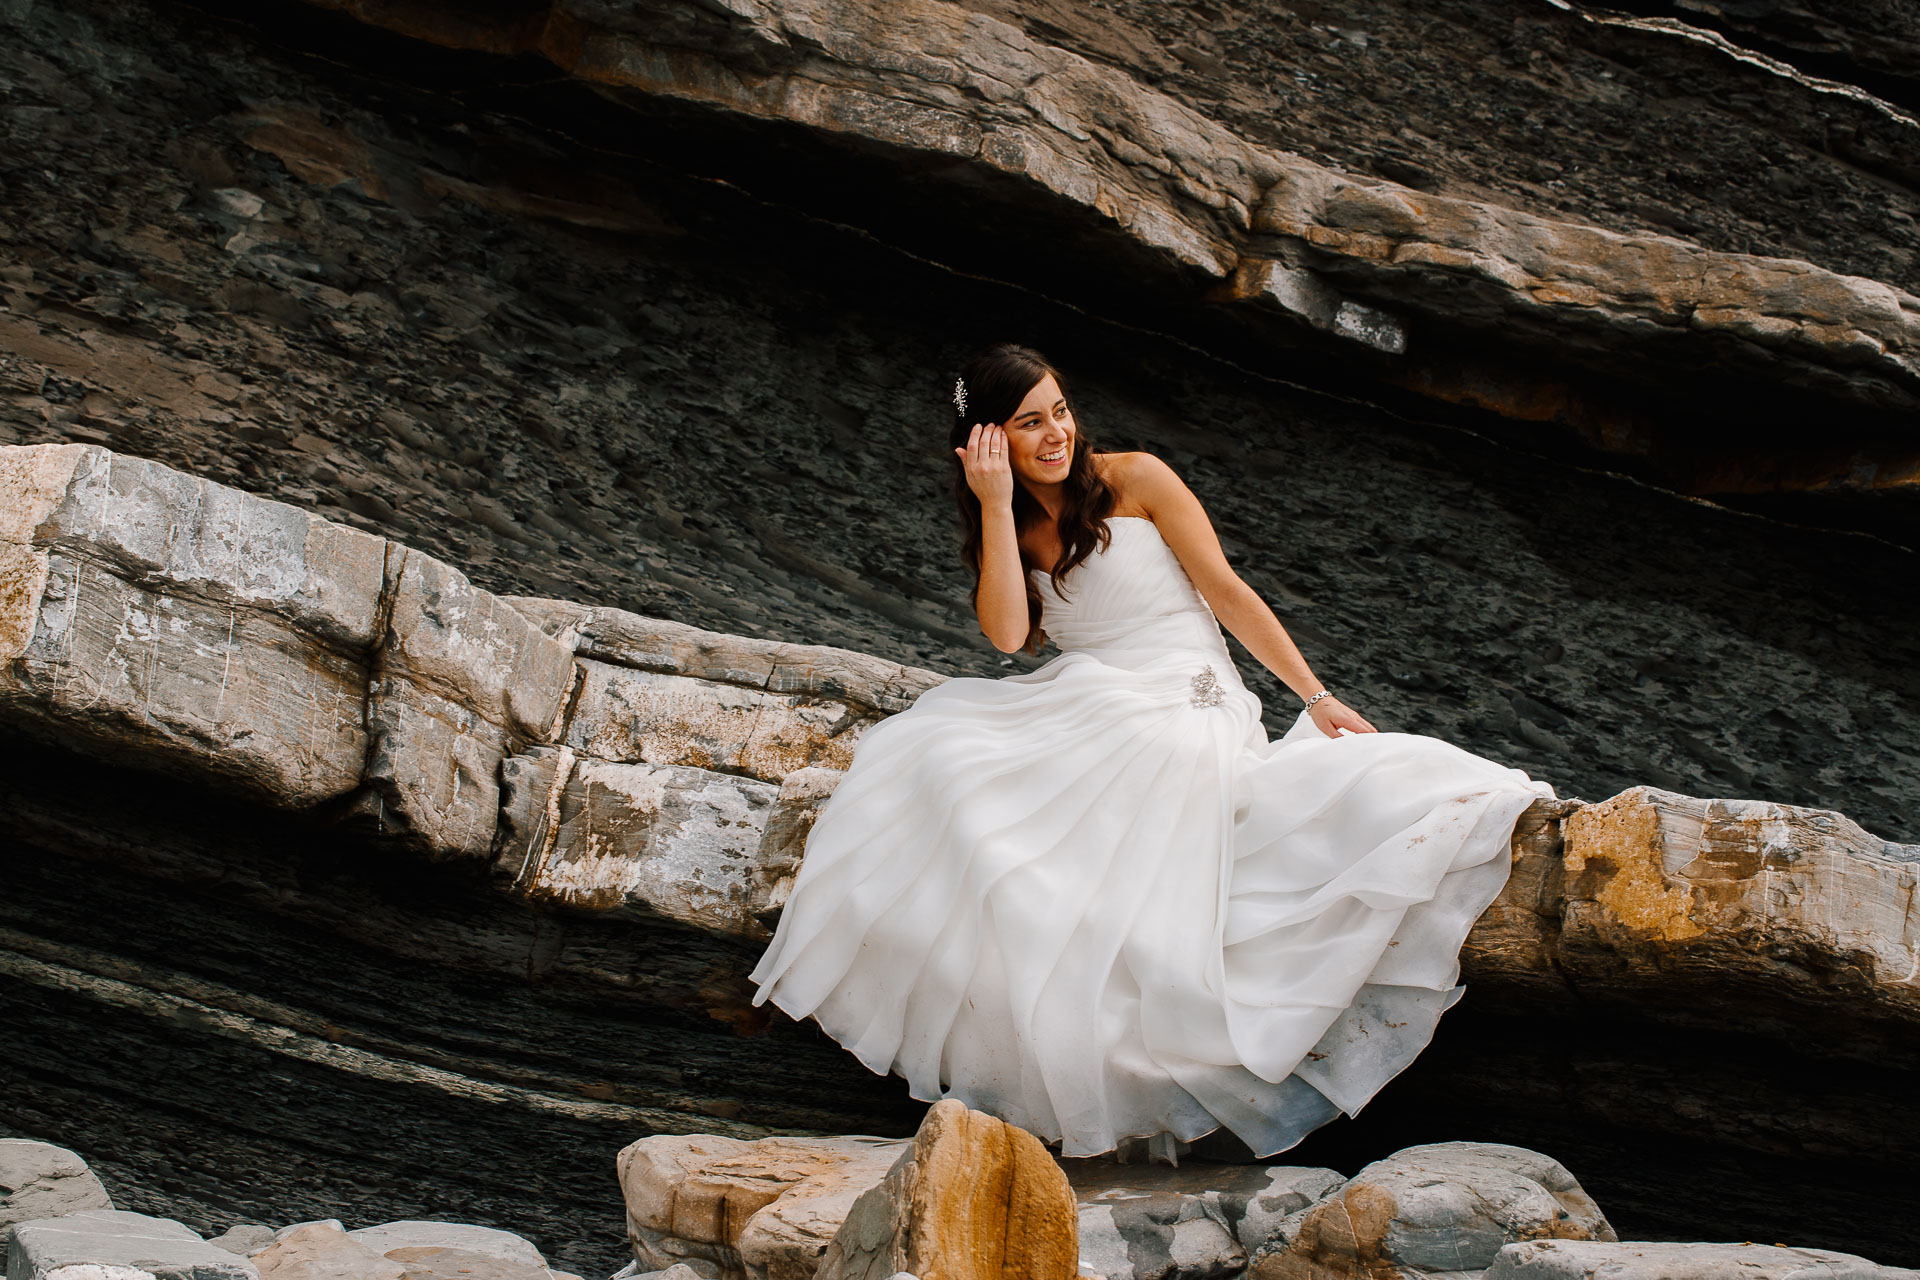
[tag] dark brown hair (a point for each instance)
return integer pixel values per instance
(997, 380)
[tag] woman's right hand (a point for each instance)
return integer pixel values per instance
(984, 459)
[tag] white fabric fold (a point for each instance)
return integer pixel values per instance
(1101, 904)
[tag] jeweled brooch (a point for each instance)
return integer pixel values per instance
(1207, 690)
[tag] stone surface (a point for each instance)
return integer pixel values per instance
(627, 639)
(319, 1251)
(1443, 1208)
(634, 716)
(246, 1238)
(675, 842)
(1668, 897)
(433, 1262)
(114, 1239)
(40, 1180)
(466, 1237)
(939, 81)
(460, 679)
(1601, 639)
(1664, 1260)
(132, 587)
(971, 1198)
(765, 1209)
(589, 855)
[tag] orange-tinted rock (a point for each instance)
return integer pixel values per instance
(973, 1198)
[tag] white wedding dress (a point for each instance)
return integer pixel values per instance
(1095, 900)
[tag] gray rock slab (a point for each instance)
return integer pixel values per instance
(322, 1251)
(171, 682)
(629, 715)
(472, 648)
(655, 644)
(422, 1234)
(169, 530)
(674, 842)
(40, 1180)
(432, 771)
(1662, 1260)
(1440, 1208)
(161, 1247)
(438, 1262)
(246, 1238)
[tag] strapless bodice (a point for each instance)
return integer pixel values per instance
(1132, 595)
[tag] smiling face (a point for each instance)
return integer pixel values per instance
(1040, 435)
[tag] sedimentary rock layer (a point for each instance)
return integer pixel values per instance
(516, 855)
(942, 81)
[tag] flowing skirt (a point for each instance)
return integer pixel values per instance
(1096, 901)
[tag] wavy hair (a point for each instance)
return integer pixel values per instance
(997, 380)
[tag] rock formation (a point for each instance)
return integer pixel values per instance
(767, 1208)
(565, 359)
(433, 786)
(1432, 1210)
(971, 1198)
(1452, 1209)
(316, 836)
(40, 1180)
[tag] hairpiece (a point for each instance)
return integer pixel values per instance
(960, 396)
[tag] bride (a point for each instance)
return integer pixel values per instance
(1094, 899)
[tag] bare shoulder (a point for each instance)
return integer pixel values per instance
(1123, 469)
(1137, 478)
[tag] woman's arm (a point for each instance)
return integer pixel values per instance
(1182, 521)
(1002, 600)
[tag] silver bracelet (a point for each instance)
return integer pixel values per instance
(1315, 698)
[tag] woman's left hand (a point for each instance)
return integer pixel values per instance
(1333, 715)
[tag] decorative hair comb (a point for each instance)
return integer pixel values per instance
(960, 396)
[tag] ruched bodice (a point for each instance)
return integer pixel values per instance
(1132, 594)
(1093, 899)
(1130, 606)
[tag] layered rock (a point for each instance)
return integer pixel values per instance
(944, 83)
(639, 883)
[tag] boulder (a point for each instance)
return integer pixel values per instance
(765, 1209)
(246, 1238)
(865, 683)
(971, 1198)
(40, 1180)
(115, 1239)
(1686, 900)
(321, 1251)
(433, 1262)
(1442, 1208)
(1663, 1260)
(417, 1234)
